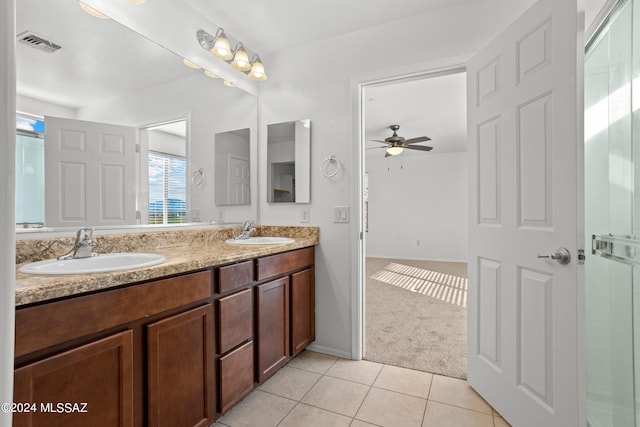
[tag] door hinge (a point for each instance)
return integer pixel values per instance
(138, 216)
(581, 256)
(361, 236)
(137, 148)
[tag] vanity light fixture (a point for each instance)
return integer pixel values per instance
(241, 58)
(220, 47)
(191, 64)
(135, 1)
(91, 11)
(394, 151)
(228, 83)
(210, 74)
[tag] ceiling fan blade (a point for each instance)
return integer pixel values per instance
(375, 148)
(418, 139)
(419, 147)
(377, 140)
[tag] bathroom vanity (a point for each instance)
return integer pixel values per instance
(174, 350)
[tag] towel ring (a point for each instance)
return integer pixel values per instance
(325, 167)
(198, 178)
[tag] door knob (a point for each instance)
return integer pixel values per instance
(561, 255)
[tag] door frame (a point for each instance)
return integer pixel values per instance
(358, 85)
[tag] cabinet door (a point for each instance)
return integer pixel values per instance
(303, 315)
(98, 377)
(180, 368)
(273, 327)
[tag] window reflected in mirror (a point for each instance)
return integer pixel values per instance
(167, 173)
(29, 171)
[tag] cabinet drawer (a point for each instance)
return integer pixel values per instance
(277, 265)
(234, 276)
(236, 375)
(235, 323)
(53, 323)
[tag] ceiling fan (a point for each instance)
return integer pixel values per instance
(396, 144)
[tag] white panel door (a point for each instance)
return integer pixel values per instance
(522, 124)
(238, 180)
(89, 173)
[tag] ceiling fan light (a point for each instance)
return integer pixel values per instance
(394, 151)
(257, 70)
(241, 59)
(91, 11)
(135, 1)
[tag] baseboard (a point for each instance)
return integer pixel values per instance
(330, 351)
(368, 255)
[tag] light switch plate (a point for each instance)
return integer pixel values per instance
(304, 214)
(341, 214)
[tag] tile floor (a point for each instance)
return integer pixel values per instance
(317, 390)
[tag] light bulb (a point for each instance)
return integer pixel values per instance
(190, 64)
(91, 11)
(210, 74)
(241, 59)
(257, 70)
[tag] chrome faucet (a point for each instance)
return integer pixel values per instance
(82, 247)
(247, 229)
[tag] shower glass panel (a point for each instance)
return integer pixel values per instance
(612, 212)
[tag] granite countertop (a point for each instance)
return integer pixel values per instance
(201, 252)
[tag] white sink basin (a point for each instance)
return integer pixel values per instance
(261, 241)
(98, 264)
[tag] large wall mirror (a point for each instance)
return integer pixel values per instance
(102, 88)
(288, 162)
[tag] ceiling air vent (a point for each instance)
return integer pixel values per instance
(38, 42)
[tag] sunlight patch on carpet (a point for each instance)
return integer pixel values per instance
(444, 287)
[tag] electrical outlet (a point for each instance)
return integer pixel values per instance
(304, 214)
(220, 216)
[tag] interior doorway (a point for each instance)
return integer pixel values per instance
(415, 213)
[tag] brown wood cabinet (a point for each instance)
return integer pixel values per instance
(168, 352)
(97, 376)
(163, 328)
(181, 385)
(273, 327)
(303, 310)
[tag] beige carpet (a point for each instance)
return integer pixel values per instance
(416, 315)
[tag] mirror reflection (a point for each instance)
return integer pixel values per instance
(288, 161)
(103, 77)
(232, 167)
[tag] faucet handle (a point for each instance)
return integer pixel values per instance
(248, 223)
(85, 233)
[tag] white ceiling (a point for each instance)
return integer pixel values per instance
(275, 25)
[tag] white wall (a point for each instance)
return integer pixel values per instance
(212, 108)
(168, 143)
(322, 93)
(7, 201)
(37, 107)
(419, 211)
